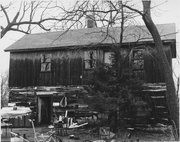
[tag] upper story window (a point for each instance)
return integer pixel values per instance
(90, 59)
(45, 63)
(138, 63)
(108, 57)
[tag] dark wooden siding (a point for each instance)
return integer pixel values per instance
(66, 69)
(153, 69)
(87, 73)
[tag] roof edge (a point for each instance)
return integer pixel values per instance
(55, 48)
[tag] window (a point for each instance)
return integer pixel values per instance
(108, 57)
(45, 63)
(90, 59)
(138, 63)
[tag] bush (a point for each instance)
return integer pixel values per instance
(108, 93)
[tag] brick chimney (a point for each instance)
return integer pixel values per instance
(90, 21)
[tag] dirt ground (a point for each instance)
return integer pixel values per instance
(151, 134)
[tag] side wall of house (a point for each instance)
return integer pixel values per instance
(68, 67)
(26, 69)
(153, 69)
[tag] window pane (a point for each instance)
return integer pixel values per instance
(108, 57)
(90, 59)
(138, 54)
(138, 64)
(45, 62)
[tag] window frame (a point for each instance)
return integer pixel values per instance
(90, 60)
(46, 63)
(109, 60)
(138, 70)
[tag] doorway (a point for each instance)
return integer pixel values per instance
(44, 109)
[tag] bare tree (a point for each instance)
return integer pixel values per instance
(52, 15)
(4, 89)
(30, 15)
(178, 85)
(114, 16)
(172, 99)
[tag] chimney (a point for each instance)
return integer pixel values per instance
(146, 6)
(91, 23)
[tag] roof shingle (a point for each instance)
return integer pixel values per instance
(85, 37)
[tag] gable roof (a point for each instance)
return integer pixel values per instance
(88, 36)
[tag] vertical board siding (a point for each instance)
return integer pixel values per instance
(25, 69)
(67, 67)
(153, 70)
(75, 71)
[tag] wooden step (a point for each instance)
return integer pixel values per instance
(162, 115)
(159, 102)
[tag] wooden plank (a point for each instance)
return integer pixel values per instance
(25, 69)
(160, 109)
(75, 71)
(11, 72)
(159, 101)
(27, 123)
(163, 115)
(30, 72)
(37, 72)
(152, 70)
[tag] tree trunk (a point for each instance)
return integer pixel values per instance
(172, 98)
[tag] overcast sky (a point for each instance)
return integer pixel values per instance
(169, 12)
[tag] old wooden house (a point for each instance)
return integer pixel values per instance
(66, 58)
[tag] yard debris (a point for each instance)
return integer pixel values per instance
(105, 133)
(74, 137)
(63, 102)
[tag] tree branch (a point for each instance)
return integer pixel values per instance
(4, 11)
(13, 29)
(133, 9)
(15, 18)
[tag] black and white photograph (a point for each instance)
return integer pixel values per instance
(89, 70)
